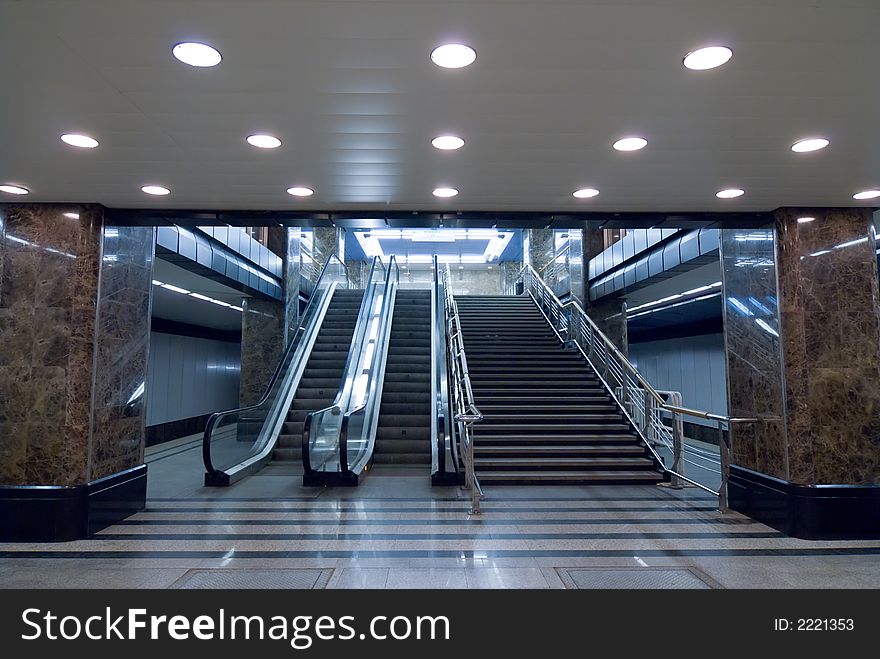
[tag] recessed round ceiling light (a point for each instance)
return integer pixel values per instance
(707, 58)
(262, 141)
(585, 193)
(72, 216)
(730, 193)
(298, 191)
(813, 144)
(13, 189)
(78, 140)
(197, 54)
(867, 194)
(630, 144)
(447, 142)
(155, 190)
(445, 192)
(805, 220)
(453, 56)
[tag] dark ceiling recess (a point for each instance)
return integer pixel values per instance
(417, 219)
(702, 316)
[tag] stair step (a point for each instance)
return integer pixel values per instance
(484, 450)
(486, 428)
(641, 477)
(545, 462)
(552, 439)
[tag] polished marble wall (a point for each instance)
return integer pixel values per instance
(541, 251)
(610, 317)
(122, 340)
(753, 349)
(830, 312)
(509, 274)
(262, 346)
(285, 242)
(575, 263)
(74, 331)
(327, 241)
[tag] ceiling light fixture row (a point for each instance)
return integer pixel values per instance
(449, 56)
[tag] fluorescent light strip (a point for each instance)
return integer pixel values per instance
(675, 297)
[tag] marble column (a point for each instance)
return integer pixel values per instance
(802, 333)
(753, 347)
(610, 317)
(285, 242)
(592, 244)
(830, 319)
(326, 242)
(538, 244)
(509, 272)
(74, 339)
(576, 265)
(262, 346)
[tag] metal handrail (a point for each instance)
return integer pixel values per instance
(214, 476)
(466, 411)
(440, 422)
(642, 405)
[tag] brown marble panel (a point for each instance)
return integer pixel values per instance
(47, 316)
(831, 327)
(754, 350)
(13, 451)
(122, 334)
(609, 314)
(262, 344)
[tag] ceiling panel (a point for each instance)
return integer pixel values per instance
(350, 89)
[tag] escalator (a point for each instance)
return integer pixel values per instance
(323, 373)
(240, 442)
(338, 439)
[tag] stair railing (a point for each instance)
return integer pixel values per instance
(239, 442)
(642, 405)
(465, 410)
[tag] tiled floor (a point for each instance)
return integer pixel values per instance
(396, 531)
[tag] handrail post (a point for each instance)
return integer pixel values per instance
(677, 449)
(724, 451)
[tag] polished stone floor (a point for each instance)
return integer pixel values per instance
(396, 531)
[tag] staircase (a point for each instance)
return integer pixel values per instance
(547, 417)
(404, 432)
(323, 373)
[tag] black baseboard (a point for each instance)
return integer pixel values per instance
(167, 432)
(817, 512)
(49, 513)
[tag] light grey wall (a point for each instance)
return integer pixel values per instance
(187, 377)
(693, 365)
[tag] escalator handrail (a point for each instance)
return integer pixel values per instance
(440, 375)
(345, 385)
(392, 277)
(216, 416)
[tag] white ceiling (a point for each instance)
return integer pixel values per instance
(351, 90)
